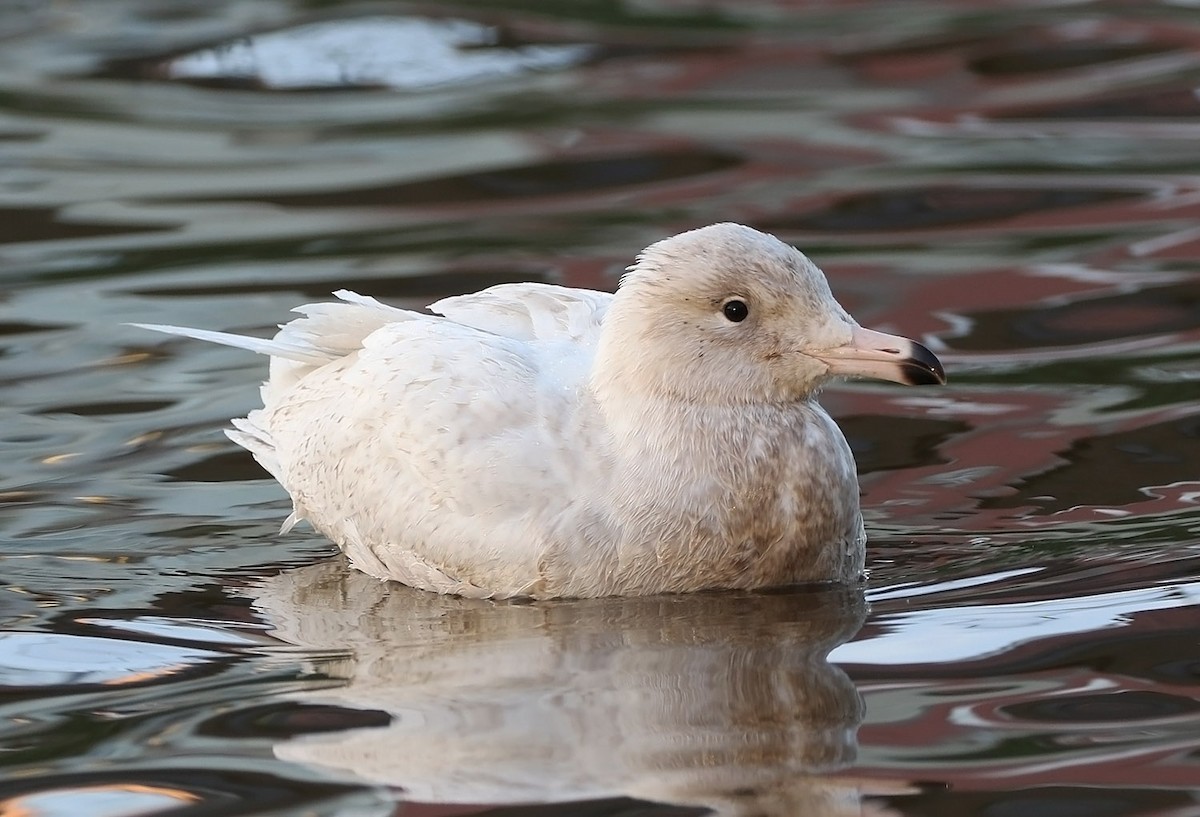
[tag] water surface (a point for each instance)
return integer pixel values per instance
(1015, 185)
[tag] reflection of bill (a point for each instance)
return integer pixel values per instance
(723, 700)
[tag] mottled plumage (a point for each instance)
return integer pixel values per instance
(534, 440)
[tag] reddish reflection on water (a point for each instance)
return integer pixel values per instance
(1015, 184)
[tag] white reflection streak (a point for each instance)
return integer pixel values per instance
(977, 631)
(909, 590)
(396, 52)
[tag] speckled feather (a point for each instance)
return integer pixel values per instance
(534, 440)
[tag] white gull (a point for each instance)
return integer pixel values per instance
(535, 440)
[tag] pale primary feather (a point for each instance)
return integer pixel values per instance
(545, 441)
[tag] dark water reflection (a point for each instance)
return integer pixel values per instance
(1015, 185)
(557, 178)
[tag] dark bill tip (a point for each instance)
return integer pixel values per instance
(922, 368)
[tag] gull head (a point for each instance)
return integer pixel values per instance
(727, 315)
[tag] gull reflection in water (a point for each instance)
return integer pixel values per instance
(723, 700)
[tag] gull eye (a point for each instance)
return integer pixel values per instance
(736, 310)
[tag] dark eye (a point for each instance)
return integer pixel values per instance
(736, 310)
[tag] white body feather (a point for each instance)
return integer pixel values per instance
(509, 448)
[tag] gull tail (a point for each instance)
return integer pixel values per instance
(278, 346)
(325, 332)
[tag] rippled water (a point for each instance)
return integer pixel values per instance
(1014, 183)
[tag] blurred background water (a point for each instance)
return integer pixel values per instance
(1015, 183)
